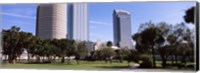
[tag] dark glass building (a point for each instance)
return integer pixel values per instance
(122, 29)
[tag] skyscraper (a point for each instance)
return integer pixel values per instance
(122, 29)
(51, 21)
(77, 16)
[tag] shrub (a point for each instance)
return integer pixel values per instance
(146, 61)
(191, 66)
(146, 64)
(180, 65)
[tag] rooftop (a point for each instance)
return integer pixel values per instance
(121, 11)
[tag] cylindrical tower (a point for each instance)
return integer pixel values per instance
(51, 21)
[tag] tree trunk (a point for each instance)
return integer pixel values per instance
(183, 60)
(153, 53)
(77, 61)
(106, 60)
(12, 59)
(110, 61)
(38, 58)
(172, 59)
(28, 57)
(163, 61)
(42, 58)
(176, 60)
(54, 57)
(63, 59)
(6, 58)
(68, 62)
(18, 59)
(49, 58)
(129, 63)
(121, 60)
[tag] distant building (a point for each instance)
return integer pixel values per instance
(97, 44)
(122, 29)
(78, 28)
(51, 21)
(114, 47)
(90, 46)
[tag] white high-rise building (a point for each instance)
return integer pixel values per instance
(51, 21)
(78, 28)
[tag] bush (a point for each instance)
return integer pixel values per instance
(146, 61)
(47, 62)
(180, 65)
(146, 64)
(191, 66)
(89, 58)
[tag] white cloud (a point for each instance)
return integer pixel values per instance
(99, 22)
(18, 15)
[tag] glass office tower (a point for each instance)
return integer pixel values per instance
(122, 29)
(77, 16)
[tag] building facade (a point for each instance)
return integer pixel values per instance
(78, 28)
(97, 44)
(122, 29)
(51, 21)
(90, 46)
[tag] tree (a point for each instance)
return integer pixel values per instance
(149, 36)
(122, 54)
(80, 51)
(70, 49)
(189, 15)
(164, 53)
(139, 46)
(161, 42)
(97, 55)
(56, 43)
(6, 45)
(63, 47)
(39, 50)
(49, 50)
(14, 43)
(30, 41)
(132, 56)
(172, 40)
(109, 44)
(107, 53)
(184, 35)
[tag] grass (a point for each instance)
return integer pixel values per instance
(84, 65)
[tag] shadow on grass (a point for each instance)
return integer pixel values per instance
(114, 67)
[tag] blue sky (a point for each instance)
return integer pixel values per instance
(100, 16)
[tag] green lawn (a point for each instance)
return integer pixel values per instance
(86, 65)
(83, 65)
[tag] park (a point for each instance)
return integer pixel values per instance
(158, 46)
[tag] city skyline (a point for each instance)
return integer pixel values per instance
(100, 16)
